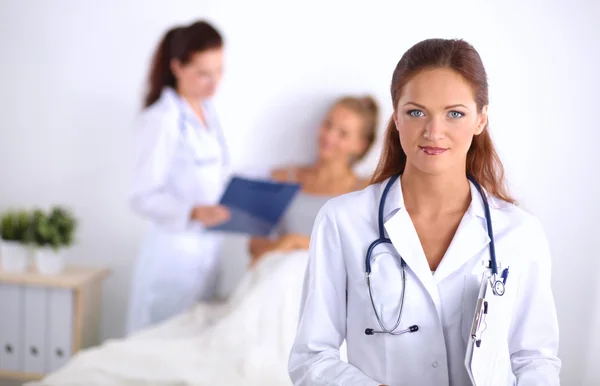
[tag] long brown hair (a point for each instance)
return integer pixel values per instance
(178, 43)
(483, 162)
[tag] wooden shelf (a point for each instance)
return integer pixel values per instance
(20, 376)
(72, 277)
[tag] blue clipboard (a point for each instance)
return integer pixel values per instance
(256, 205)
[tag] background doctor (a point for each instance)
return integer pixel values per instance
(180, 163)
(435, 218)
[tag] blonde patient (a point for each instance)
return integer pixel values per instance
(345, 136)
(247, 339)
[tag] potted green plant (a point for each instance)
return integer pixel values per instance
(14, 246)
(52, 233)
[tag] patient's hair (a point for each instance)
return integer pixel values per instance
(367, 108)
(178, 43)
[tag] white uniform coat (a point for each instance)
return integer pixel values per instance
(179, 163)
(336, 304)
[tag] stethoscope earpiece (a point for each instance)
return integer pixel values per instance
(413, 328)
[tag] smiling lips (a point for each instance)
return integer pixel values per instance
(432, 150)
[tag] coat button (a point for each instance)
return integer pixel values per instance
(434, 364)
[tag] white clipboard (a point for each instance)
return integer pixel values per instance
(484, 359)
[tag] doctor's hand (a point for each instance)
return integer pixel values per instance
(210, 215)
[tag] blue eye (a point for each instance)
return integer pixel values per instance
(456, 114)
(415, 113)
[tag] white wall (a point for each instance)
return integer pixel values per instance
(72, 72)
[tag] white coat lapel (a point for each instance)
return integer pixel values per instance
(401, 231)
(470, 238)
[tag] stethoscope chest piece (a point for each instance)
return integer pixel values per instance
(498, 287)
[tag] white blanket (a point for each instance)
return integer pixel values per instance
(245, 341)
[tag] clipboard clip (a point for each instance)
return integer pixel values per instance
(480, 316)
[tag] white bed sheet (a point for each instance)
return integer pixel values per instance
(245, 341)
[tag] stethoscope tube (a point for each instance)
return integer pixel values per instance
(414, 328)
(384, 240)
(497, 285)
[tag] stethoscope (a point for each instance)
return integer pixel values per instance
(497, 285)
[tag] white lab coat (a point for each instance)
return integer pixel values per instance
(336, 304)
(179, 164)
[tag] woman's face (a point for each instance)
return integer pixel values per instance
(341, 135)
(200, 77)
(436, 118)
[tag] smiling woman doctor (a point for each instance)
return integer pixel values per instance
(179, 171)
(437, 153)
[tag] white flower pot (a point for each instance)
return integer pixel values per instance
(14, 256)
(49, 261)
